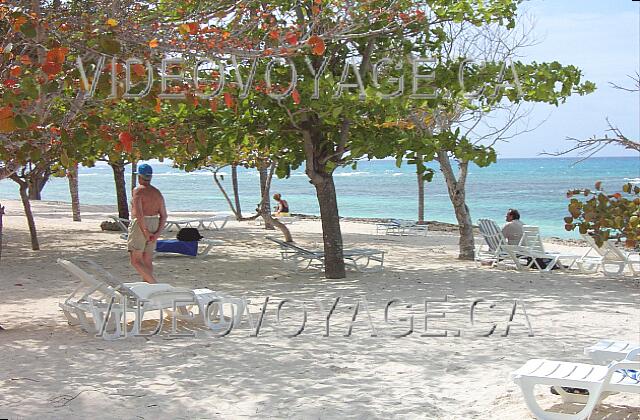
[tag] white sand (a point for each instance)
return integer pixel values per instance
(51, 370)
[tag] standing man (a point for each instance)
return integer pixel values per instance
(513, 230)
(147, 222)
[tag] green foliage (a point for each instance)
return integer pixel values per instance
(605, 215)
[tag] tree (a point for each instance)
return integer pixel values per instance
(606, 215)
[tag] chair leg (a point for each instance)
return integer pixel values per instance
(527, 387)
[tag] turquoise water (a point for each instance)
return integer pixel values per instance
(536, 187)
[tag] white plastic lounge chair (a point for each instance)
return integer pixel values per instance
(599, 381)
(121, 223)
(607, 256)
(605, 351)
(401, 228)
(217, 222)
(531, 244)
(300, 259)
(493, 249)
(285, 220)
(140, 296)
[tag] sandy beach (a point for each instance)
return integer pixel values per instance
(52, 370)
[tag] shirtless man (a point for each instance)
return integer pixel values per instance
(148, 217)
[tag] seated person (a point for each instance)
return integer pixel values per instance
(282, 209)
(512, 230)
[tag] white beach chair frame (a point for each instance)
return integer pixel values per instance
(103, 294)
(399, 227)
(217, 222)
(599, 381)
(606, 256)
(299, 259)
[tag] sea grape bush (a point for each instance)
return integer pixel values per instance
(605, 215)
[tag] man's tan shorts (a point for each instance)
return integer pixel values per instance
(136, 240)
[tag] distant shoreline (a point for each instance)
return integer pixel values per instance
(434, 225)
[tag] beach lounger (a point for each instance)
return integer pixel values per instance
(300, 259)
(533, 244)
(217, 222)
(608, 256)
(141, 297)
(492, 250)
(599, 381)
(606, 351)
(401, 228)
(123, 224)
(286, 220)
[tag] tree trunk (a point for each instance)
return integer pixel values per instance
(134, 176)
(36, 181)
(331, 233)
(456, 190)
(121, 189)
(24, 196)
(236, 210)
(236, 191)
(1, 214)
(420, 196)
(72, 175)
(265, 203)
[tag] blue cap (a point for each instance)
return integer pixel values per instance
(145, 171)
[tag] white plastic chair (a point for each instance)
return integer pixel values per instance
(599, 381)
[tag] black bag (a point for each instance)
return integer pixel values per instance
(189, 235)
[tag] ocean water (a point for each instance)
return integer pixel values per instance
(536, 187)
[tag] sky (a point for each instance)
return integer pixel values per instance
(601, 37)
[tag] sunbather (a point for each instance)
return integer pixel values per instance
(282, 209)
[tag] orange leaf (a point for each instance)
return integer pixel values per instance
(296, 96)
(226, 34)
(51, 68)
(112, 22)
(20, 20)
(157, 107)
(57, 55)
(153, 43)
(213, 105)
(317, 45)
(25, 59)
(274, 34)
(15, 71)
(126, 141)
(193, 28)
(228, 100)
(7, 123)
(138, 70)
(291, 38)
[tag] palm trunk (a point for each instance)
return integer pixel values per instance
(456, 190)
(24, 196)
(420, 196)
(236, 191)
(121, 189)
(72, 175)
